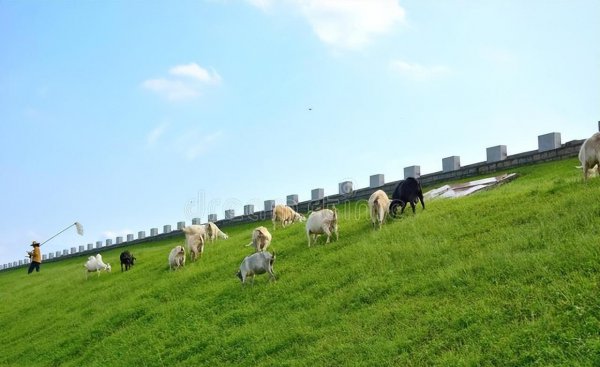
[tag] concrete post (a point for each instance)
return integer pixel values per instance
(98, 244)
(141, 235)
(130, 237)
(376, 181)
(167, 229)
(109, 242)
(412, 171)
(549, 141)
(180, 225)
(496, 154)
(153, 232)
(450, 164)
(90, 246)
(317, 194)
(229, 214)
(248, 209)
(81, 248)
(345, 188)
(212, 218)
(269, 205)
(119, 240)
(292, 200)
(196, 221)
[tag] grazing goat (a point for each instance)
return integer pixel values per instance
(177, 257)
(257, 263)
(261, 239)
(379, 206)
(95, 264)
(407, 192)
(322, 222)
(286, 215)
(127, 259)
(212, 232)
(589, 154)
(194, 239)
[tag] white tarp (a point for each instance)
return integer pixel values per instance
(467, 188)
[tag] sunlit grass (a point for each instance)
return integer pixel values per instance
(509, 276)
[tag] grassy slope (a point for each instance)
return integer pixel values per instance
(504, 277)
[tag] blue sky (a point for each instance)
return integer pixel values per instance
(121, 114)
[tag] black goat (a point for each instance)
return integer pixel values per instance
(407, 192)
(127, 259)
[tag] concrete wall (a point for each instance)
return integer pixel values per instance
(541, 155)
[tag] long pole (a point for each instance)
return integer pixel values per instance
(58, 233)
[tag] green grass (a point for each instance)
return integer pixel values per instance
(506, 277)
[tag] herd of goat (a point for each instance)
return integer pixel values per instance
(319, 222)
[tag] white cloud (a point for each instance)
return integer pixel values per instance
(156, 133)
(194, 144)
(418, 71)
(197, 72)
(173, 90)
(186, 82)
(347, 24)
(188, 144)
(263, 4)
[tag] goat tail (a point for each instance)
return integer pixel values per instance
(375, 207)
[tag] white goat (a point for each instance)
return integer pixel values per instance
(95, 264)
(258, 263)
(261, 239)
(379, 206)
(177, 257)
(589, 154)
(322, 222)
(194, 238)
(285, 215)
(212, 232)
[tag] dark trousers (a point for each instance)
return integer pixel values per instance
(34, 265)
